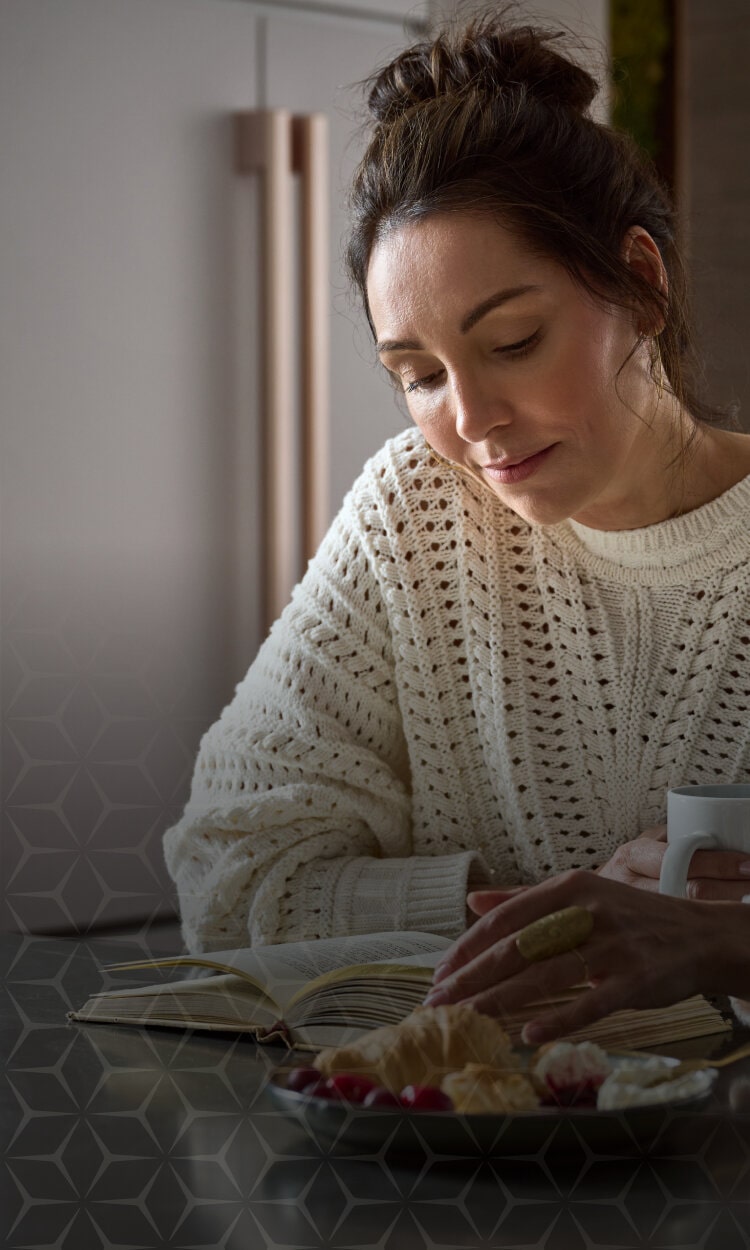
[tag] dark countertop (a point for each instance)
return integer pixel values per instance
(128, 1137)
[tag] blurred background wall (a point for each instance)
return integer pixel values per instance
(713, 184)
(681, 89)
(130, 317)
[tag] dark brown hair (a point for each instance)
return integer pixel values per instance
(494, 119)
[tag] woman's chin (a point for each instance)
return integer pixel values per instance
(536, 509)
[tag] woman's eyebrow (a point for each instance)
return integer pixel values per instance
(399, 345)
(470, 320)
(494, 301)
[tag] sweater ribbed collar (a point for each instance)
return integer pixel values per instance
(718, 531)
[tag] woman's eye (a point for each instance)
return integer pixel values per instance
(521, 348)
(514, 350)
(423, 384)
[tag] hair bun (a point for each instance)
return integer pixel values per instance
(484, 56)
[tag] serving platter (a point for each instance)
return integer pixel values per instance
(355, 1129)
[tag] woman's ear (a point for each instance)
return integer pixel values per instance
(643, 256)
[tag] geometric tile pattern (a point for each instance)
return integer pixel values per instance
(122, 1137)
(102, 715)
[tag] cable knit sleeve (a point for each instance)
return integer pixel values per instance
(299, 820)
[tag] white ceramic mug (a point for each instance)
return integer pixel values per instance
(702, 818)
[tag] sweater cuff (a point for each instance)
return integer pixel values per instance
(421, 893)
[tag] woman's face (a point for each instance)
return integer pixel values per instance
(511, 370)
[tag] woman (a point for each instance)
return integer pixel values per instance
(530, 616)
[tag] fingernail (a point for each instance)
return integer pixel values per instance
(435, 998)
(745, 868)
(439, 973)
(532, 1034)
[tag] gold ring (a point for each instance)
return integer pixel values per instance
(554, 934)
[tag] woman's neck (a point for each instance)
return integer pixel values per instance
(715, 462)
(677, 465)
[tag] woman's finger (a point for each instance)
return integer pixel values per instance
(546, 980)
(722, 865)
(482, 901)
(612, 995)
(713, 890)
(490, 967)
(495, 925)
(657, 833)
(641, 858)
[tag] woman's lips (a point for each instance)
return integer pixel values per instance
(519, 472)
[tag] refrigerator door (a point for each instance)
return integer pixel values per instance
(129, 329)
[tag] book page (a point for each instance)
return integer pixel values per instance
(290, 968)
(227, 1000)
(284, 970)
(380, 975)
(424, 959)
(305, 961)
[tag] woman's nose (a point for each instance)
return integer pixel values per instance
(478, 409)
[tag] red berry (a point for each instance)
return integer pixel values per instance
(381, 1097)
(581, 1095)
(425, 1098)
(350, 1086)
(299, 1078)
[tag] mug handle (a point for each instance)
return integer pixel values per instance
(676, 862)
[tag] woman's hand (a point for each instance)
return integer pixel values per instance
(714, 875)
(646, 950)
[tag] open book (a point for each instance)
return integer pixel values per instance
(309, 994)
(329, 992)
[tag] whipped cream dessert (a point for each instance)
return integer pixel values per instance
(631, 1086)
(569, 1072)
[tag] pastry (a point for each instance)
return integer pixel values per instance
(479, 1088)
(423, 1048)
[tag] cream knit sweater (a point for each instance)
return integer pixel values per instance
(452, 697)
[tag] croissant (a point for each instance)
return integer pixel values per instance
(479, 1088)
(423, 1048)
